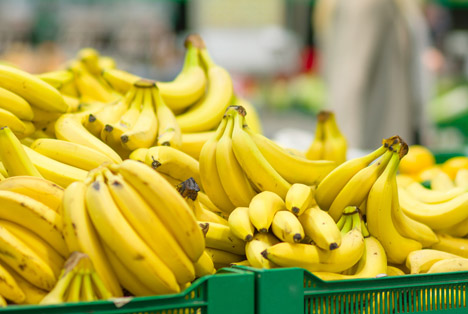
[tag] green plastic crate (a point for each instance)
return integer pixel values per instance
(295, 290)
(230, 291)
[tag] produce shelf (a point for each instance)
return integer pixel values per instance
(229, 291)
(295, 290)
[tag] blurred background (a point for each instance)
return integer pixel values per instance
(290, 58)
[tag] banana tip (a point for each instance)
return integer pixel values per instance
(295, 210)
(333, 246)
(297, 237)
(248, 238)
(265, 254)
(195, 40)
(263, 230)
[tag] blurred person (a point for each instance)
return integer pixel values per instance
(371, 56)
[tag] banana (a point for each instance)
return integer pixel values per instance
(150, 228)
(35, 91)
(451, 244)
(10, 287)
(126, 276)
(89, 58)
(251, 116)
(233, 179)
(206, 113)
(69, 128)
(335, 144)
(436, 216)
(299, 198)
(404, 180)
(449, 265)
(203, 214)
(442, 182)
(315, 150)
(161, 197)
(461, 178)
(244, 262)
(40, 115)
(35, 216)
(422, 260)
(240, 225)
(55, 171)
(57, 78)
(409, 227)
(394, 271)
(47, 253)
(14, 157)
(458, 230)
(358, 187)
(260, 172)
(73, 293)
(33, 294)
(16, 105)
(254, 249)
(169, 133)
(89, 87)
(417, 191)
(220, 237)
(30, 129)
(321, 228)
(334, 182)
(285, 226)
(87, 291)
(144, 132)
(57, 294)
(119, 80)
(69, 153)
(80, 234)
(209, 175)
(8, 119)
(139, 154)
(222, 258)
(172, 162)
(262, 209)
(117, 233)
(204, 266)
(207, 204)
(192, 143)
(379, 216)
(372, 263)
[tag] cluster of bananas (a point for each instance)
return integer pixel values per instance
(329, 143)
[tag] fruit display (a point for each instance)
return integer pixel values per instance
(114, 185)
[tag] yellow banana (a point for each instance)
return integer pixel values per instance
(80, 234)
(35, 91)
(299, 198)
(15, 104)
(233, 179)
(203, 214)
(222, 258)
(204, 266)
(14, 157)
(206, 113)
(358, 187)
(150, 228)
(315, 150)
(139, 154)
(8, 119)
(424, 195)
(334, 182)
(209, 175)
(240, 225)
(254, 249)
(442, 182)
(421, 261)
(321, 228)
(449, 265)
(286, 226)
(172, 162)
(394, 271)
(119, 80)
(117, 233)
(89, 87)
(335, 145)
(251, 117)
(73, 293)
(35, 216)
(161, 197)
(379, 216)
(40, 115)
(57, 78)
(169, 133)
(33, 294)
(451, 244)
(73, 154)
(461, 178)
(10, 287)
(220, 237)
(457, 230)
(192, 143)
(57, 294)
(262, 209)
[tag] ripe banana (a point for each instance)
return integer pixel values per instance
(394, 271)
(251, 116)
(169, 133)
(149, 227)
(209, 175)
(335, 145)
(203, 214)
(417, 191)
(321, 228)
(69, 153)
(358, 187)
(8, 119)
(379, 216)
(315, 150)
(262, 209)
(90, 88)
(220, 237)
(286, 227)
(9, 287)
(204, 266)
(138, 154)
(161, 196)
(233, 179)
(451, 244)
(334, 182)
(119, 80)
(422, 260)
(192, 143)
(461, 178)
(35, 91)
(15, 104)
(206, 113)
(57, 78)
(80, 234)
(33, 295)
(442, 182)
(222, 258)
(254, 249)
(449, 265)
(130, 249)
(173, 163)
(299, 198)
(240, 225)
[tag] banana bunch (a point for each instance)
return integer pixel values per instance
(329, 143)
(78, 281)
(137, 230)
(237, 163)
